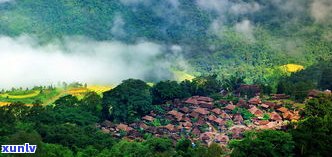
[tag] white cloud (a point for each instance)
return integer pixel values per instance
(4, 1)
(213, 5)
(224, 7)
(244, 8)
(246, 28)
(117, 28)
(24, 63)
(321, 10)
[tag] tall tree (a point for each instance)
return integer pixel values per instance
(128, 101)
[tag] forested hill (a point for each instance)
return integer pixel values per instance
(250, 39)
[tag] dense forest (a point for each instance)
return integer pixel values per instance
(166, 78)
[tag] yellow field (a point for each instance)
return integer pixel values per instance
(292, 68)
(4, 103)
(99, 89)
(8, 103)
(151, 84)
(181, 76)
(33, 94)
(80, 92)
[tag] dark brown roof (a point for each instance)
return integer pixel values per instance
(219, 121)
(186, 124)
(196, 131)
(279, 96)
(184, 109)
(194, 114)
(205, 137)
(238, 117)
(205, 104)
(271, 104)
(241, 103)
(143, 126)
(221, 138)
(107, 124)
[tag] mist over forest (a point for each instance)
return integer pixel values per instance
(107, 41)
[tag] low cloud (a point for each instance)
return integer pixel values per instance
(224, 7)
(4, 1)
(118, 27)
(245, 28)
(24, 63)
(321, 10)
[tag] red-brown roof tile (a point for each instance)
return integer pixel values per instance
(255, 100)
(212, 117)
(275, 116)
(216, 111)
(148, 118)
(282, 109)
(201, 111)
(184, 109)
(123, 127)
(230, 107)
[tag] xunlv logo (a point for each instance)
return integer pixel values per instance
(26, 148)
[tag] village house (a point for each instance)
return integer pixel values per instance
(255, 111)
(275, 116)
(230, 107)
(123, 127)
(237, 118)
(255, 100)
(148, 118)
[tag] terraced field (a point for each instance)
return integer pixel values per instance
(291, 68)
(181, 76)
(99, 89)
(31, 94)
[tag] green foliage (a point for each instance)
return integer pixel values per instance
(321, 106)
(167, 90)
(130, 149)
(56, 150)
(313, 135)
(92, 102)
(67, 100)
(159, 144)
(128, 101)
(299, 84)
(266, 143)
(183, 146)
(74, 137)
(214, 150)
(229, 123)
(21, 137)
(266, 116)
(158, 109)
